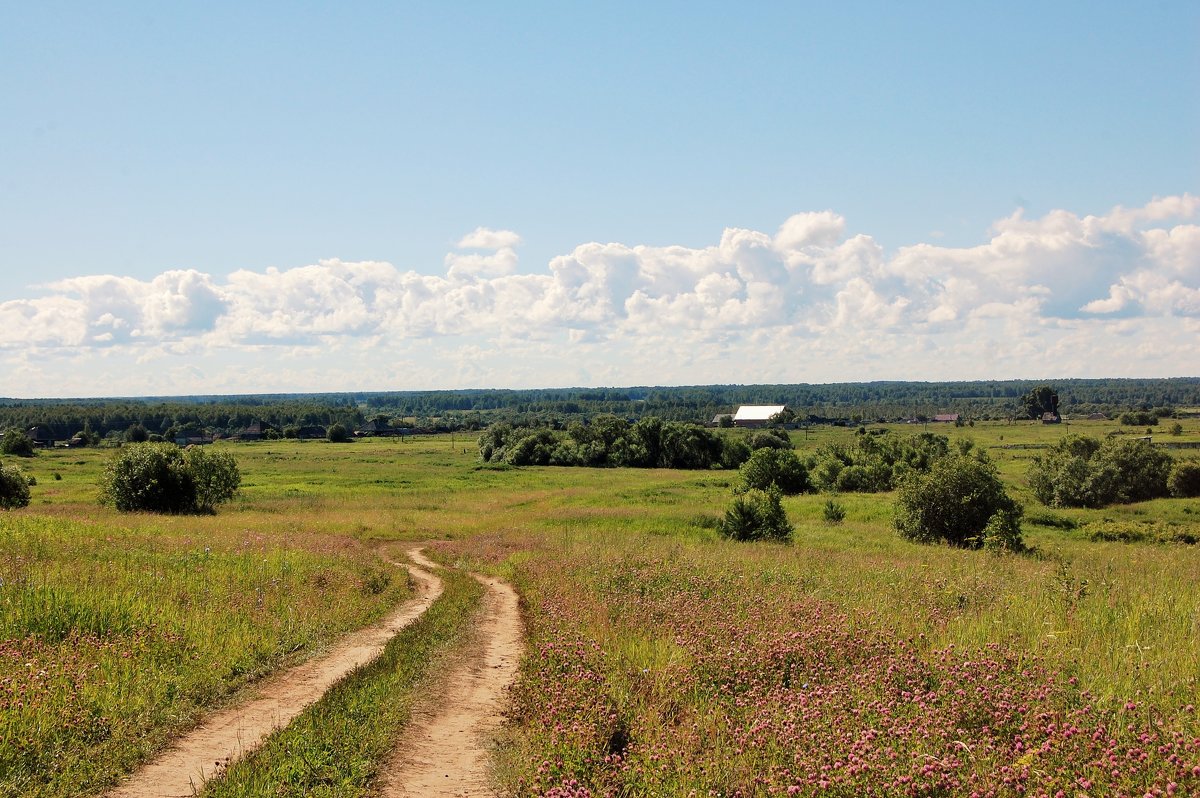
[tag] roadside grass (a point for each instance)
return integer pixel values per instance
(336, 746)
(120, 631)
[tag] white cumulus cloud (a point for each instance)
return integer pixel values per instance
(1059, 294)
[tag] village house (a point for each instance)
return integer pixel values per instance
(756, 415)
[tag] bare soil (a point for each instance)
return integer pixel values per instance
(446, 749)
(230, 734)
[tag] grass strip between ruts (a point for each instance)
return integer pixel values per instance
(335, 747)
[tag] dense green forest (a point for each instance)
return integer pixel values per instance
(556, 407)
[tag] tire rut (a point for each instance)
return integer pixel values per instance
(447, 747)
(229, 734)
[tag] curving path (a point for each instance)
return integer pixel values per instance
(447, 748)
(232, 733)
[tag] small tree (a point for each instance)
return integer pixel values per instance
(756, 515)
(338, 433)
(16, 443)
(1039, 401)
(834, 513)
(957, 502)
(136, 434)
(14, 488)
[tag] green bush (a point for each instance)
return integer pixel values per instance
(14, 487)
(768, 439)
(834, 513)
(960, 501)
(1184, 481)
(875, 462)
(214, 475)
(1080, 471)
(1138, 419)
(16, 443)
(161, 478)
(337, 433)
(756, 515)
(778, 467)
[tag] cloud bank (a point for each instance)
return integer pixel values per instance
(1066, 295)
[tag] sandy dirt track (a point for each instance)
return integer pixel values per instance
(231, 733)
(446, 749)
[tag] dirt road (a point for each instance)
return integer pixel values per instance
(446, 752)
(230, 734)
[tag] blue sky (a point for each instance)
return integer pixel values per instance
(229, 197)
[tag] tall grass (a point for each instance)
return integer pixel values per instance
(112, 640)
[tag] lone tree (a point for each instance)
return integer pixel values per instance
(960, 501)
(14, 488)
(1041, 400)
(161, 478)
(338, 433)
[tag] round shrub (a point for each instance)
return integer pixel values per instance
(756, 515)
(768, 439)
(337, 433)
(14, 488)
(960, 501)
(778, 467)
(1185, 479)
(161, 478)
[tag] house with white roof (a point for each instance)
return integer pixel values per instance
(756, 415)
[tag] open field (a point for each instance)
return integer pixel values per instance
(660, 659)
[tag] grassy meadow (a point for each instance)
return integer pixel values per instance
(661, 660)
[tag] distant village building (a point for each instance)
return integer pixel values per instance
(756, 415)
(1097, 417)
(946, 418)
(41, 435)
(1051, 418)
(255, 432)
(375, 429)
(719, 417)
(311, 433)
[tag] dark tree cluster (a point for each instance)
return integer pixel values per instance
(612, 441)
(443, 411)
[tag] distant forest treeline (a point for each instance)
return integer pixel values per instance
(475, 409)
